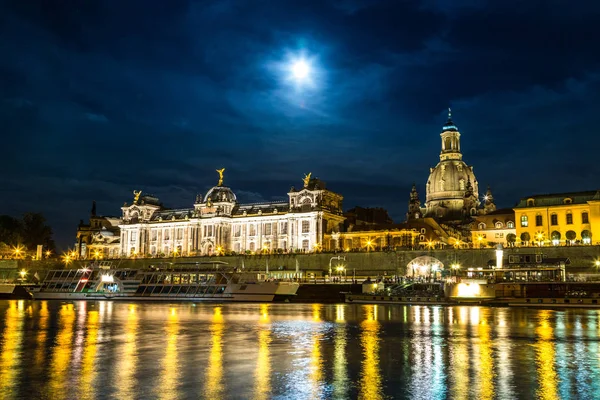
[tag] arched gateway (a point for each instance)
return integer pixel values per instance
(423, 266)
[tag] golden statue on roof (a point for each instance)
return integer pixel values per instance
(306, 179)
(136, 196)
(220, 171)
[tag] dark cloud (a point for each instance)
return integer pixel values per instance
(100, 98)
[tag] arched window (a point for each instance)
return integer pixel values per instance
(305, 245)
(586, 237)
(481, 225)
(569, 218)
(530, 202)
(524, 220)
(585, 219)
(555, 236)
(568, 200)
(305, 226)
(553, 219)
(510, 224)
(499, 225)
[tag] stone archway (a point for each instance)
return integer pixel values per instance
(207, 247)
(424, 266)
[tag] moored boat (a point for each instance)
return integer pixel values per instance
(214, 281)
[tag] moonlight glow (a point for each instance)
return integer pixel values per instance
(300, 69)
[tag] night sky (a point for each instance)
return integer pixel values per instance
(98, 98)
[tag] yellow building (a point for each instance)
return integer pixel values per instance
(496, 227)
(559, 219)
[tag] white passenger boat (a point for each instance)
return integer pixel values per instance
(214, 281)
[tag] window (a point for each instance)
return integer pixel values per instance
(569, 218)
(179, 233)
(530, 202)
(283, 228)
(553, 219)
(481, 225)
(251, 246)
(423, 230)
(499, 225)
(510, 224)
(305, 227)
(538, 220)
(252, 230)
(568, 201)
(524, 220)
(422, 238)
(305, 244)
(268, 228)
(585, 218)
(166, 234)
(153, 235)
(236, 247)
(237, 231)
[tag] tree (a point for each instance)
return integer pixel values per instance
(10, 230)
(36, 232)
(511, 238)
(29, 231)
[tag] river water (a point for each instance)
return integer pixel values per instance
(87, 350)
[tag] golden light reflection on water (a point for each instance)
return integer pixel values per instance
(459, 362)
(214, 372)
(340, 363)
(12, 341)
(370, 379)
(61, 353)
(170, 371)
(42, 335)
(262, 382)
(315, 376)
(129, 358)
(545, 358)
(88, 368)
(485, 363)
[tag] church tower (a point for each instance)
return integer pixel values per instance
(452, 189)
(414, 205)
(488, 202)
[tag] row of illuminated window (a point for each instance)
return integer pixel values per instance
(498, 225)
(252, 246)
(539, 219)
(209, 230)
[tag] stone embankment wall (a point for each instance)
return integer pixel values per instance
(582, 260)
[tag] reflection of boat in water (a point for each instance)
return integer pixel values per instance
(213, 281)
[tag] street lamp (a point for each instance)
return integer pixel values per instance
(540, 237)
(23, 274)
(455, 267)
(341, 269)
(335, 258)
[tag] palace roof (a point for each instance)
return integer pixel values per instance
(558, 199)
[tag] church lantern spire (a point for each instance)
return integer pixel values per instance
(450, 140)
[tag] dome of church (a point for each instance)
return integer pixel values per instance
(452, 188)
(219, 194)
(449, 179)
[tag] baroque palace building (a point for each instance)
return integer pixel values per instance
(559, 219)
(217, 223)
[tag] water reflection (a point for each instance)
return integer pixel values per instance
(262, 386)
(118, 350)
(370, 380)
(170, 371)
(61, 352)
(214, 370)
(545, 357)
(316, 362)
(127, 361)
(484, 364)
(41, 336)
(11, 347)
(340, 367)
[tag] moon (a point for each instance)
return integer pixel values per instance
(300, 69)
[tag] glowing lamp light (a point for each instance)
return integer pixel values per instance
(597, 263)
(107, 278)
(23, 273)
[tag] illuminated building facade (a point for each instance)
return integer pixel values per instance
(99, 238)
(493, 228)
(559, 219)
(217, 223)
